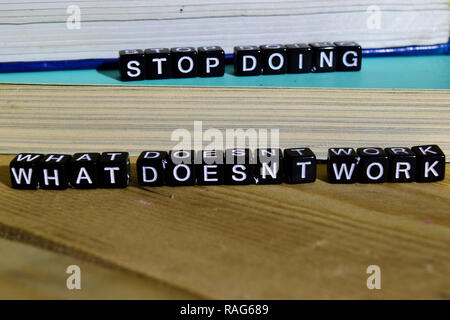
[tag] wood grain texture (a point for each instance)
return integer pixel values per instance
(28, 272)
(39, 118)
(287, 241)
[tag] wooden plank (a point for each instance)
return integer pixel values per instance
(28, 272)
(41, 118)
(287, 241)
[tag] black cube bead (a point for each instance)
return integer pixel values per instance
(24, 172)
(180, 169)
(84, 170)
(299, 57)
(239, 166)
(342, 165)
(150, 167)
(430, 163)
(269, 167)
(132, 65)
(211, 61)
(300, 165)
(211, 168)
(323, 57)
(184, 62)
(273, 59)
(54, 171)
(402, 164)
(348, 56)
(373, 165)
(247, 61)
(158, 63)
(114, 169)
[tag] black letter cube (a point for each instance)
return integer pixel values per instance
(342, 165)
(239, 166)
(348, 56)
(323, 57)
(84, 170)
(273, 59)
(54, 171)
(269, 168)
(180, 168)
(150, 168)
(430, 163)
(373, 165)
(24, 171)
(247, 60)
(211, 61)
(132, 65)
(299, 56)
(300, 164)
(184, 62)
(158, 63)
(114, 169)
(211, 169)
(402, 164)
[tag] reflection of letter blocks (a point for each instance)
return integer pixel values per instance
(342, 165)
(158, 63)
(84, 170)
(54, 171)
(132, 65)
(114, 169)
(402, 164)
(239, 166)
(211, 61)
(150, 168)
(180, 168)
(269, 168)
(273, 57)
(211, 169)
(348, 56)
(300, 165)
(184, 62)
(373, 165)
(323, 57)
(430, 163)
(247, 60)
(23, 170)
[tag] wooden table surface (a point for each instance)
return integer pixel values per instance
(285, 241)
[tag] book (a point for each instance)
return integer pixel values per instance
(36, 31)
(70, 119)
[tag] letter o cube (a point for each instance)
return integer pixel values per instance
(180, 168)
(184, 62)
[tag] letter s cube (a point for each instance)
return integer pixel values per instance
(132, 65)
